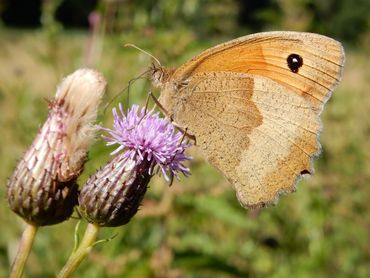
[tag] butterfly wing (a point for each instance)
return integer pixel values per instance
(258, 133)
(274, 55)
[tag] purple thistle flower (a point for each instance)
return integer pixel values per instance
(147, 144)
(144, 135)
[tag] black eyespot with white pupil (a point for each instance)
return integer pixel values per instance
(294, 62)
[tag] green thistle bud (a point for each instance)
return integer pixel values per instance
(43, 189)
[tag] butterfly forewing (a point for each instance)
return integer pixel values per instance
(266, 54)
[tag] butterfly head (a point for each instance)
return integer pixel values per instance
(159, 75)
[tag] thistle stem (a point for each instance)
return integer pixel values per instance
(81, 252)
(24, 249)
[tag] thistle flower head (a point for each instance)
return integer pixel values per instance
(147, 144)
(43, 187)
(144, 135)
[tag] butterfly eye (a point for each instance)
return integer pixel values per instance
(294, 62)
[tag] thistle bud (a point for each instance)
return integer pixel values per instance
(112, 196)
(146, 145)
(43, 189)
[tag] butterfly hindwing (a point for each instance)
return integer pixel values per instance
(259, 134)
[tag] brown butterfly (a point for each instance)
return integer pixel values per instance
(253, 105)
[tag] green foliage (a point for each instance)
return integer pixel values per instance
(346, 20)
(343, 19)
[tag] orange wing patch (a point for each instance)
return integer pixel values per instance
(266, 54)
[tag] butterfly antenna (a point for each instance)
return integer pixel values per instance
(143, 51)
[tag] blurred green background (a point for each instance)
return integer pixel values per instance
(196, 228)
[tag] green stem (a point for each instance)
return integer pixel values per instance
(81, 252)
(24, 249)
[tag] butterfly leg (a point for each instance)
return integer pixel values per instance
(160, 106)
(147, 102)
(165, 112)
(185, 132)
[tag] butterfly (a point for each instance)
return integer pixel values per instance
(253, 105)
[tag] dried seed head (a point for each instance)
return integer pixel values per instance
(149, 144)
(79, 95)
(43, 187)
